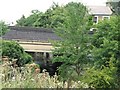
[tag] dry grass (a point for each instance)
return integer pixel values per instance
(12, 78)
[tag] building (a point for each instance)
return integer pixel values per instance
(35, 41)
(99, 13)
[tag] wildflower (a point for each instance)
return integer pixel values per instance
(33, 65)
(37, 70)
(32, 79)
(13, 78)
(78, 81)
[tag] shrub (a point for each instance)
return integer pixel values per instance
(14, 51)
(102, 78)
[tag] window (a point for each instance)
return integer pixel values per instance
(95, 19)
(106, 17)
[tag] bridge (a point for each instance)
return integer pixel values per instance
(35, 41)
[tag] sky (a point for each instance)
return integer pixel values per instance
(12, 10)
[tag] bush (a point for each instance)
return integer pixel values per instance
(102, 78)
(14, 51)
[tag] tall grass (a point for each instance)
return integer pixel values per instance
(24, 77)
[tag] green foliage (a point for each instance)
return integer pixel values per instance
(57, 15)
(28, 79)
(107, 29)
(105, 53)
(104, 77)
(3, 28)
(49, 19)
(29, 21)
(14, 51)
(97, 58)
(42, 21)
(72, 50)
(105, 40)
(21, 21)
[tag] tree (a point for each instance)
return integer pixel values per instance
(3, 28)
(104, 72)
(72, 50)
(42, 21)
(21, 21)
(114, 5)
(14, 51)
(49, 19)
(57, 15)
(30, 20)
(106, 39)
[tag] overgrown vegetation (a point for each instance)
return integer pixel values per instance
(25, 77)
(94, 60)
(106, 53)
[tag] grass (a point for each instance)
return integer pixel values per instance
(27, 78)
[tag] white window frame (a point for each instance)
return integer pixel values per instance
(105, 16)
(97, 18)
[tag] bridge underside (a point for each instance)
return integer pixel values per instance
(38, 50)
(36, 46)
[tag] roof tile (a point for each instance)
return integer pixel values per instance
(30, 34)
(104, 10)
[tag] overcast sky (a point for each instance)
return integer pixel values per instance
(12, 10)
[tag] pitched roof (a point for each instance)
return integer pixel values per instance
(100, 10)
(30, 34)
